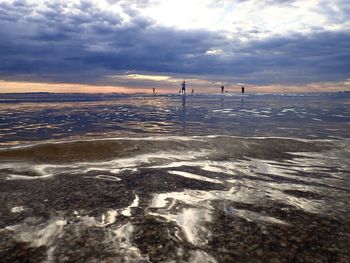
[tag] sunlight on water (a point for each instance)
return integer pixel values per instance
(56, 116)
(188, 190)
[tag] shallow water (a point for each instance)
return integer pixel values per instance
(206, 178)
(56, 116)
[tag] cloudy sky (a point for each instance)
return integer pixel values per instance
(121, 45)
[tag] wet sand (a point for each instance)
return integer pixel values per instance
(191, 191)
(205, 199)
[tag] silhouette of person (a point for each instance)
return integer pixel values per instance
(183, 89)
(192, 91)
(222, 89)
(154, 91)
(242, 89)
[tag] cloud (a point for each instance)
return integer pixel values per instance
(85, 41)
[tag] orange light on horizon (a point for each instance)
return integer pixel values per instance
(26, 87)
(23, 87)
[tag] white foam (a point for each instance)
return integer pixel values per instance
(116, 166)
(17, 209)
(287, 110)
(150, 138)
(127, 210)
(120, 170)
(41, 171)
(108, 218)
(195, 176)
(255, 217)
(191, 223)
(108, 178)
(249, 111)
(26, 177)
(131, 163)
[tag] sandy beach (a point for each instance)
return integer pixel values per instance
(185, 186)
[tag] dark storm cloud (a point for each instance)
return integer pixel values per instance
(88, 43)
(298, 59)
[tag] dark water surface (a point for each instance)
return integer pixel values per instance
(37, 117)
(204, 178)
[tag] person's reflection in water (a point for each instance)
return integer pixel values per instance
(222, 103)
(242, 103)
(183, 115)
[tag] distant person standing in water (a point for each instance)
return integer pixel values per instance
(222, 89)
(242, 89)
(192, 91)
(183, 89)
(154, 91)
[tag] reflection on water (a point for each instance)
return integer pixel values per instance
(181, 199)
(183, 115)
(176, 184)
(43, 118)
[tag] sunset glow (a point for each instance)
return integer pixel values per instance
(135, 45)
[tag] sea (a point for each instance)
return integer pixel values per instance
(175, 178)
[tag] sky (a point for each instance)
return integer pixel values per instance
(135, 45)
